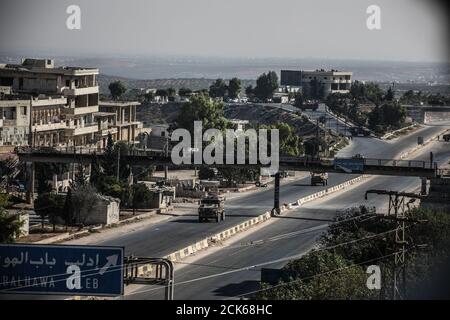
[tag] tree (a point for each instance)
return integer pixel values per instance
(266, 84)
(202, 108)
(321, 275)
(141, 196)
(218, 89)
(80, 178)
(183, 92)
(171, 92)
(117, 89)
(68, 212)
(298, 100)
(290, 142)
(387, 116)
(234, 88)
(96, 170)
(110, 186)
(110, 157)
(162, 93)
(10, 224)
(149, 96)
(49, 205)
(315, 90)
(249, 91)
(206, 173)
(389, 95)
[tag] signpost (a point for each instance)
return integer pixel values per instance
(61, 269)
(355, 165)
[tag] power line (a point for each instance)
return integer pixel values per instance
(246, 268)
(316, 275)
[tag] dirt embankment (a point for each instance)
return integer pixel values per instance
(153, 113)
(259, 114)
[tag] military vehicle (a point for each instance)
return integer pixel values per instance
(446, 137)
(212, 206)
(319, 178)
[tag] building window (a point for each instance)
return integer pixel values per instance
(67, 83)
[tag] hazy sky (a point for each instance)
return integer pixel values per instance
(412, 30)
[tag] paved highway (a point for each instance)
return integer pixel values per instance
(165, 237)
(312, 218)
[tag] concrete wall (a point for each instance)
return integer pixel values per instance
(439, 195)
(105, 212)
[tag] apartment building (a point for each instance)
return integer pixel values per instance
(63, 106)
(121, 117)
(14, 121)
(334, 81)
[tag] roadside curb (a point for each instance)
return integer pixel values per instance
(247, 224)
(389, 134)
(69, 236)
(420, 146)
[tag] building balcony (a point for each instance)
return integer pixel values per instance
(76, 131)
(81, 110)
(21, 121)
(49, 126)
(105, 132)
(8, 123)
(128, 123)
(80, 91)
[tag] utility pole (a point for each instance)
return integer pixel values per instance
(398, 207)
(431, 159)
(118, 164)
(276, 201)
(166, 154)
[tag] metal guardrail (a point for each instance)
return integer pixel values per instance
(399, 163)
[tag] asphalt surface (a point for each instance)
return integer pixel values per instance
(311, 218)
(165, 237)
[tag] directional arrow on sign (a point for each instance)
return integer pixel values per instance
(112, 261)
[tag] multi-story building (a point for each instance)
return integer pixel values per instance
(48, 121)
(14, 121)
(63, 106)
(334, 81)
(121, 116)
(77, 85)
(32, 120)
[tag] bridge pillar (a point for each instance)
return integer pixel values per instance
(423, 189)
(30, 182)
(276, 201)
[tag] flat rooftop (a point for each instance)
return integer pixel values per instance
(119, 103)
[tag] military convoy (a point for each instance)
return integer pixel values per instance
(212, 206)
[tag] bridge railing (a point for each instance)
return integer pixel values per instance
(399, 163)
(305, 160)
